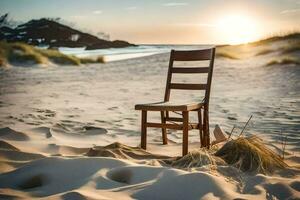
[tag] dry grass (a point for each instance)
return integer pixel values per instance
(287, 37)
(99, 59)
(284, 61)
(198, 158)
(251, 155)
(56, 57)
(264, 52)
(291, 48)
(226, 55)
(20, 53)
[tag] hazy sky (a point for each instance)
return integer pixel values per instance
(167, 21)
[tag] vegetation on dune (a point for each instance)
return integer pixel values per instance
(264, 52)
(291, 48)
(284, 61)
(20, 53)
(291, 36)
(251, 155)
(56, 57)
(99, 59)
(223, 51)
(226, 55)
(197, 159)
(285, 50)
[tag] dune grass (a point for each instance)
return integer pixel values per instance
(99, 59)
(221, 52)
(264, 52)
(291, 48)
(56, 57)
(287, 37)
(23, 54)
(284, 61)
(197, 158)
(226, 55)
(251, 155)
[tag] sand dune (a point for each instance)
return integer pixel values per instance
(6, 146)
(52, 176)
(119, 171)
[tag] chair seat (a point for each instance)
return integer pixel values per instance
(169, 106)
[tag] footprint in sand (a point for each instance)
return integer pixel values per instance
(10, 134)
(73, 196)
(122, 175)
(32, 182)
(79, 128)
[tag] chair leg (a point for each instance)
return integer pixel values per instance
(206, 128)
(164, 130)
(144, 130)
(185, 132)
(200, 127)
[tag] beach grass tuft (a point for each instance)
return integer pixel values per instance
(21, 53)
(226, 55)
(99, 59)
(284, 61)
(264, 52)
(291, 48)
(249, 154)
(56, 57)
(197, 158)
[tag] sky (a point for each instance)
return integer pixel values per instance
(167, 21)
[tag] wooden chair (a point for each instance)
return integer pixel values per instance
(167, 106)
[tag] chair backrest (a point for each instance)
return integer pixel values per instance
(194, 55)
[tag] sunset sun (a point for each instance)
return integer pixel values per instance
(238, 29)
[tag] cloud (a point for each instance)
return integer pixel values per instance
(170, 4)
(131, 8)
(97, 12)
(291, 11)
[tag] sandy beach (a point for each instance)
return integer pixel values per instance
(72, 132)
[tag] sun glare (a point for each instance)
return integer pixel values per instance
(238, 29)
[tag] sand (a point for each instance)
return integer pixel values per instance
(118, 171)
(72, 132)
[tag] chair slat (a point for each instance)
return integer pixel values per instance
(169, 126)
(172, 126)
(191, 55)
(186, 86)
(174, 119)
(190, 70)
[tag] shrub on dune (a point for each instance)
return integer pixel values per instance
(251, 155)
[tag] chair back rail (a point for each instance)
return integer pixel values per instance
(194, 55)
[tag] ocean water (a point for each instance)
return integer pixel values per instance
(68, 99)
